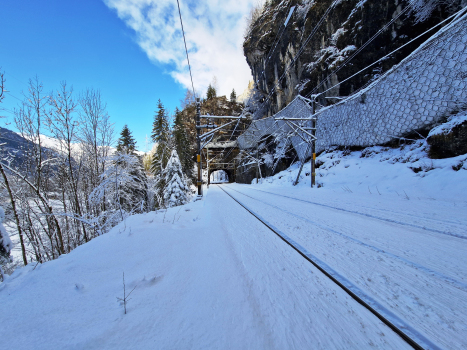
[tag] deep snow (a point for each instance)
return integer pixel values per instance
(209, 275)
(203, 280)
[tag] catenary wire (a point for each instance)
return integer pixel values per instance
(186, 50)
(352, 56)
(371, 39)
(342, 65)
(300, 51)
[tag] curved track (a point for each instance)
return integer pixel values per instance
(375, 216)
(454, 282)
(321, 244)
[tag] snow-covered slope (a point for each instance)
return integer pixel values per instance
(54, 144)
(395, 172)
(203, 281)
(209, 275)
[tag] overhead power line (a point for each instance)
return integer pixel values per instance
(300, 51)
(309, 95)
(186, 50)
(345, 62)
(386, 26)
(394, 51)
(20, 100)
(270, 94)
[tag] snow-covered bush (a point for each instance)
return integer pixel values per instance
(176, 189)
(5, 243)
(122, 190)
(452, 122)
(268, 159)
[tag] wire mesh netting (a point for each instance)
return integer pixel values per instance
(281, 130)
(416, 94)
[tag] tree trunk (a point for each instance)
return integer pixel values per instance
(13, 204)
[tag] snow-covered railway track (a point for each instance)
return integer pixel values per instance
(380, 250)
(372, 216)
(396, 324)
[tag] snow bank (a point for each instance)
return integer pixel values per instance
(447, 127)
(403, 172)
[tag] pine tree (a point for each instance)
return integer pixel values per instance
(126, 143)
(176, 189)
(233, 96)
(211, 93)
(161, 136)
(182, 144)
(124, 187)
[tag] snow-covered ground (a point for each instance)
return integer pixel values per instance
(405, 172)
(210, 275)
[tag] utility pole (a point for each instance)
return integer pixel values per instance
(313, 144)
(257, 163)
(207, 164)
(298, 129)
(234, 179)
(198, 156)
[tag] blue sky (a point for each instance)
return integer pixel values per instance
(131, 50)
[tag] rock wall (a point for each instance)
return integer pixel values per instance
(415, 95)
(423, 90)
(449, 139)
(347, 27)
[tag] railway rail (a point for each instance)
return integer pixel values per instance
(371, 215)
(394, 322)
(456, 283)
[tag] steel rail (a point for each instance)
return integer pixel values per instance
(452, 281)
(367, 215)
(354, 296)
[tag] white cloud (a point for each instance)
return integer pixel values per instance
(214, 34)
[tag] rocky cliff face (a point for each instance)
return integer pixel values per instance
(217, 106)
(346, 29)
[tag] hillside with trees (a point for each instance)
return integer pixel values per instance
(59, 197)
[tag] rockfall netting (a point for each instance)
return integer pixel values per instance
(283, 132)
(416, 94)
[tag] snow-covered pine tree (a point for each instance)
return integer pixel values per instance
(211, 93)
(123, 187)
(126, 143)
(182, 144)
(176, 189)
(138, 189)
(233, 96)
(5, 243)
(161, 136)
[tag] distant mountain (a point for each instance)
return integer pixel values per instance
(15, 145)
(10, 140)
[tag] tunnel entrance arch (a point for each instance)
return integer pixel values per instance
(229, 172)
